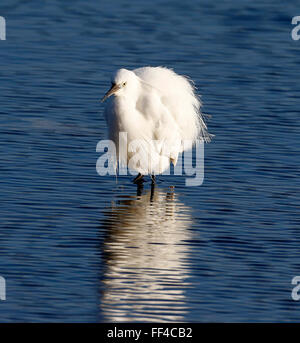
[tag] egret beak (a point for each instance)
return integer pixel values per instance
(114, 88)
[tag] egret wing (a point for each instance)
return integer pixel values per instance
(177, 94)
(162, 129)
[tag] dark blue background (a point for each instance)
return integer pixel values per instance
(64, 230)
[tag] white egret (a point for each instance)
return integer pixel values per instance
(160, 110)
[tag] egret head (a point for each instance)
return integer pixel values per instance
(123, 83)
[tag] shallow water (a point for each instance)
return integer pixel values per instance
(75, 246)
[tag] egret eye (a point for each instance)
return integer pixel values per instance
(124, 83)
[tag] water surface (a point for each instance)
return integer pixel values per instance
(75, 246)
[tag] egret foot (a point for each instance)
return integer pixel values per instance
(138, 178)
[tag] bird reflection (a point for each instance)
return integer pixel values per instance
(146, 257)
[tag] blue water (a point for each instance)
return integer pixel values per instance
(75, 246)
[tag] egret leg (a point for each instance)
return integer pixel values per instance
(138, 178)
(153, 179)
(152, 191)
(139, 189)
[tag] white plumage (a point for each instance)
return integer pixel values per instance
(159, 110)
